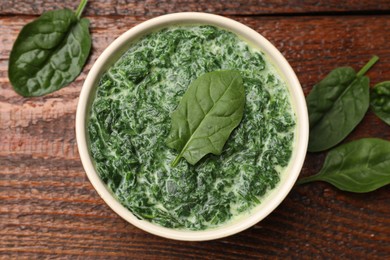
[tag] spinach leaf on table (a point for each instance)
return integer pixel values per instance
(359, 166)
(208, 112)
(49, 52)
(380, 101)
(336, 105)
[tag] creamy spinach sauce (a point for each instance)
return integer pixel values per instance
(130, 121)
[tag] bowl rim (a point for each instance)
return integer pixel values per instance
(250, 35)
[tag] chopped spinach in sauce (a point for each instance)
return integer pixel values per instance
(130, 121)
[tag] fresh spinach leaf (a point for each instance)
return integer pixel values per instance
(208, 112)
(49, 52)
(380, 101)
(336, 105)
(359, 166)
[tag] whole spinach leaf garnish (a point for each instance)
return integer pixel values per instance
(359, 166)
(49, 52)
(208, 112)
(336, 105)
(380, 101)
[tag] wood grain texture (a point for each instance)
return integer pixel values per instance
(225, 7)
(48, 208)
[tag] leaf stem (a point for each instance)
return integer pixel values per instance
(368, 66)
(307, 179)
(176, 161)
(80, 8)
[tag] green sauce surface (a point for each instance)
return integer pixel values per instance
(130, 121)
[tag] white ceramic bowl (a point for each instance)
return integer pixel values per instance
(119, 46)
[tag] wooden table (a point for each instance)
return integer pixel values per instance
(48, 208)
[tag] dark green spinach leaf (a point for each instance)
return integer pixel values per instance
(49, 52)
(208, 112)
(359, 166)
(380, 101)
(336, 105)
